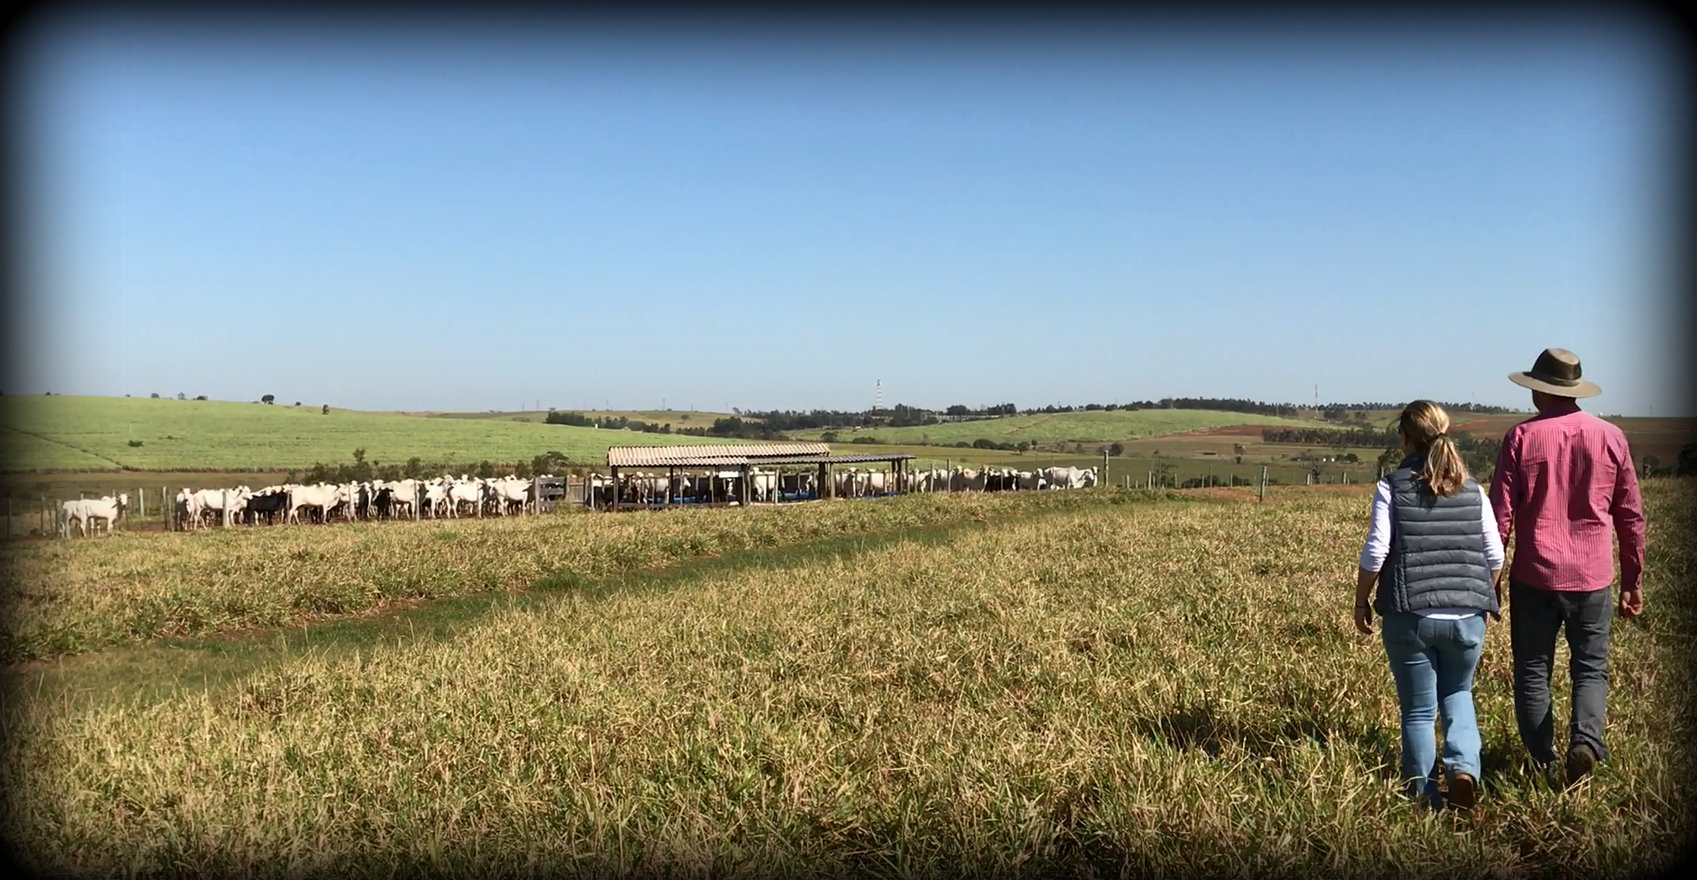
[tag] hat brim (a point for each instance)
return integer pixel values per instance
(1585, 388)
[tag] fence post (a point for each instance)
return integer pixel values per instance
(1263, 482)
(41, 516)
(224, 495)
(8, 516)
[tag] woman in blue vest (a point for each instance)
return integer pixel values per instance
(1433, 549)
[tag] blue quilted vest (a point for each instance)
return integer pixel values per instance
(1437, 555)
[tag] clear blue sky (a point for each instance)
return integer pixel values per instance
(497, 212)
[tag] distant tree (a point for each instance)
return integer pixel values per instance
(361, 469)
(326, 409)
(200, 397)
(155, 395)
(521, 468)
(297, 403)
(828, 437)
(268, 399)
(182, 396)
(414, 468)
(485, 470)
(1650, 465)
(1023, 446)
(1686, 464)
(1116, 449)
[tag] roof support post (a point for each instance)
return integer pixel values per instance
(617, 487)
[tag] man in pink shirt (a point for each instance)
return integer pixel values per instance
(1566, 491)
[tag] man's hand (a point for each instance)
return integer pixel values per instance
(1364, 619)
(1631, 602)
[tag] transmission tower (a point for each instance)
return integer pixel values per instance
(878, 395)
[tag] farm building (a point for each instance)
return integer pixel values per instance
(739, 474)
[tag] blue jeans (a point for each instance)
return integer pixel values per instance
(1432, 662)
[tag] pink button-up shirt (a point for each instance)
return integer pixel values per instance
(1564, 487)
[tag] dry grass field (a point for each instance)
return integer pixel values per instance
(1097, 683)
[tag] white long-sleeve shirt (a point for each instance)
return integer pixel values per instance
(1377, 547)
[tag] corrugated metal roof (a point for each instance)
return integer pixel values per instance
(706, 456)
(867, 456)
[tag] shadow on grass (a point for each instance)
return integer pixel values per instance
(1200, 727)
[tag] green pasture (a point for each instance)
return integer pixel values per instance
(1088, 684)
(84, 432)
(1099, 425)
(674, 417)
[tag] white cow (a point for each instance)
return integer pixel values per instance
(224, 501)
(964, 480)
(403, 496)
(465, 492)
(188, 508)
(510, 491)
(322, 496)
(106, 509)
(1070, 477)
(435, 498)
(73, 510)
(88, 513)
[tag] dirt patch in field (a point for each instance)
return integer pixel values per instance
(1226, 431)
(1028, 426)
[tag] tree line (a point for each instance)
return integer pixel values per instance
(360, 470)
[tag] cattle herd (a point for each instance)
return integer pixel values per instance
(452, 497)
(769, 486)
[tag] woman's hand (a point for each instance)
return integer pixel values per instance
(1364, 581)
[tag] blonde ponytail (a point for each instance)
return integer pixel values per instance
(1426, 426)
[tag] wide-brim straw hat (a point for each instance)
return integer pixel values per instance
(1556, 372)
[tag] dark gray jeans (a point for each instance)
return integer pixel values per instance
(1534, 616)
